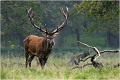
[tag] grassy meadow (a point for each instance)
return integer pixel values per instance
(13, 67)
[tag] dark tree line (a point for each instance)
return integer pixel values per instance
(99, 17)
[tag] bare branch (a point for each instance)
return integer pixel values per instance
(94, 48)
(86, 58)
(115, 51)
(85, 44)
(93, 56)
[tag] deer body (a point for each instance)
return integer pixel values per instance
(37, 46)
(33, 44)
(41, 47)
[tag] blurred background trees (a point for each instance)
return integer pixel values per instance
(93, 22)
(104, 19)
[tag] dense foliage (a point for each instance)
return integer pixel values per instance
(102, 16)
(96, 19)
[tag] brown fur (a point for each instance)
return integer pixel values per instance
(36, 46)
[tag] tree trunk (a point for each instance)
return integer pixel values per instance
(77, 32)
(21, 38)
(112, 40)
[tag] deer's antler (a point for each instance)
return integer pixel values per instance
(65, 14)
(31, 15)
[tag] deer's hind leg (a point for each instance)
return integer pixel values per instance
(30, 59)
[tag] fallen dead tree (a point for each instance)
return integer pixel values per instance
(75, 60)
(93, 62)
(93, 57)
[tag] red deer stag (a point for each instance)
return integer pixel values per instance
(41, 46)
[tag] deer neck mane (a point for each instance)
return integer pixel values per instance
(46, 45)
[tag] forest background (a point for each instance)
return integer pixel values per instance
(93, 22)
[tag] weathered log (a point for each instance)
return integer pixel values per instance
(75, 60)
(93, 57)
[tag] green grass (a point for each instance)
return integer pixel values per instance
(14, 68)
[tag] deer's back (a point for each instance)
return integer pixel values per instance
(32, 43)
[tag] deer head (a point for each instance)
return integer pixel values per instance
(49, 36)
